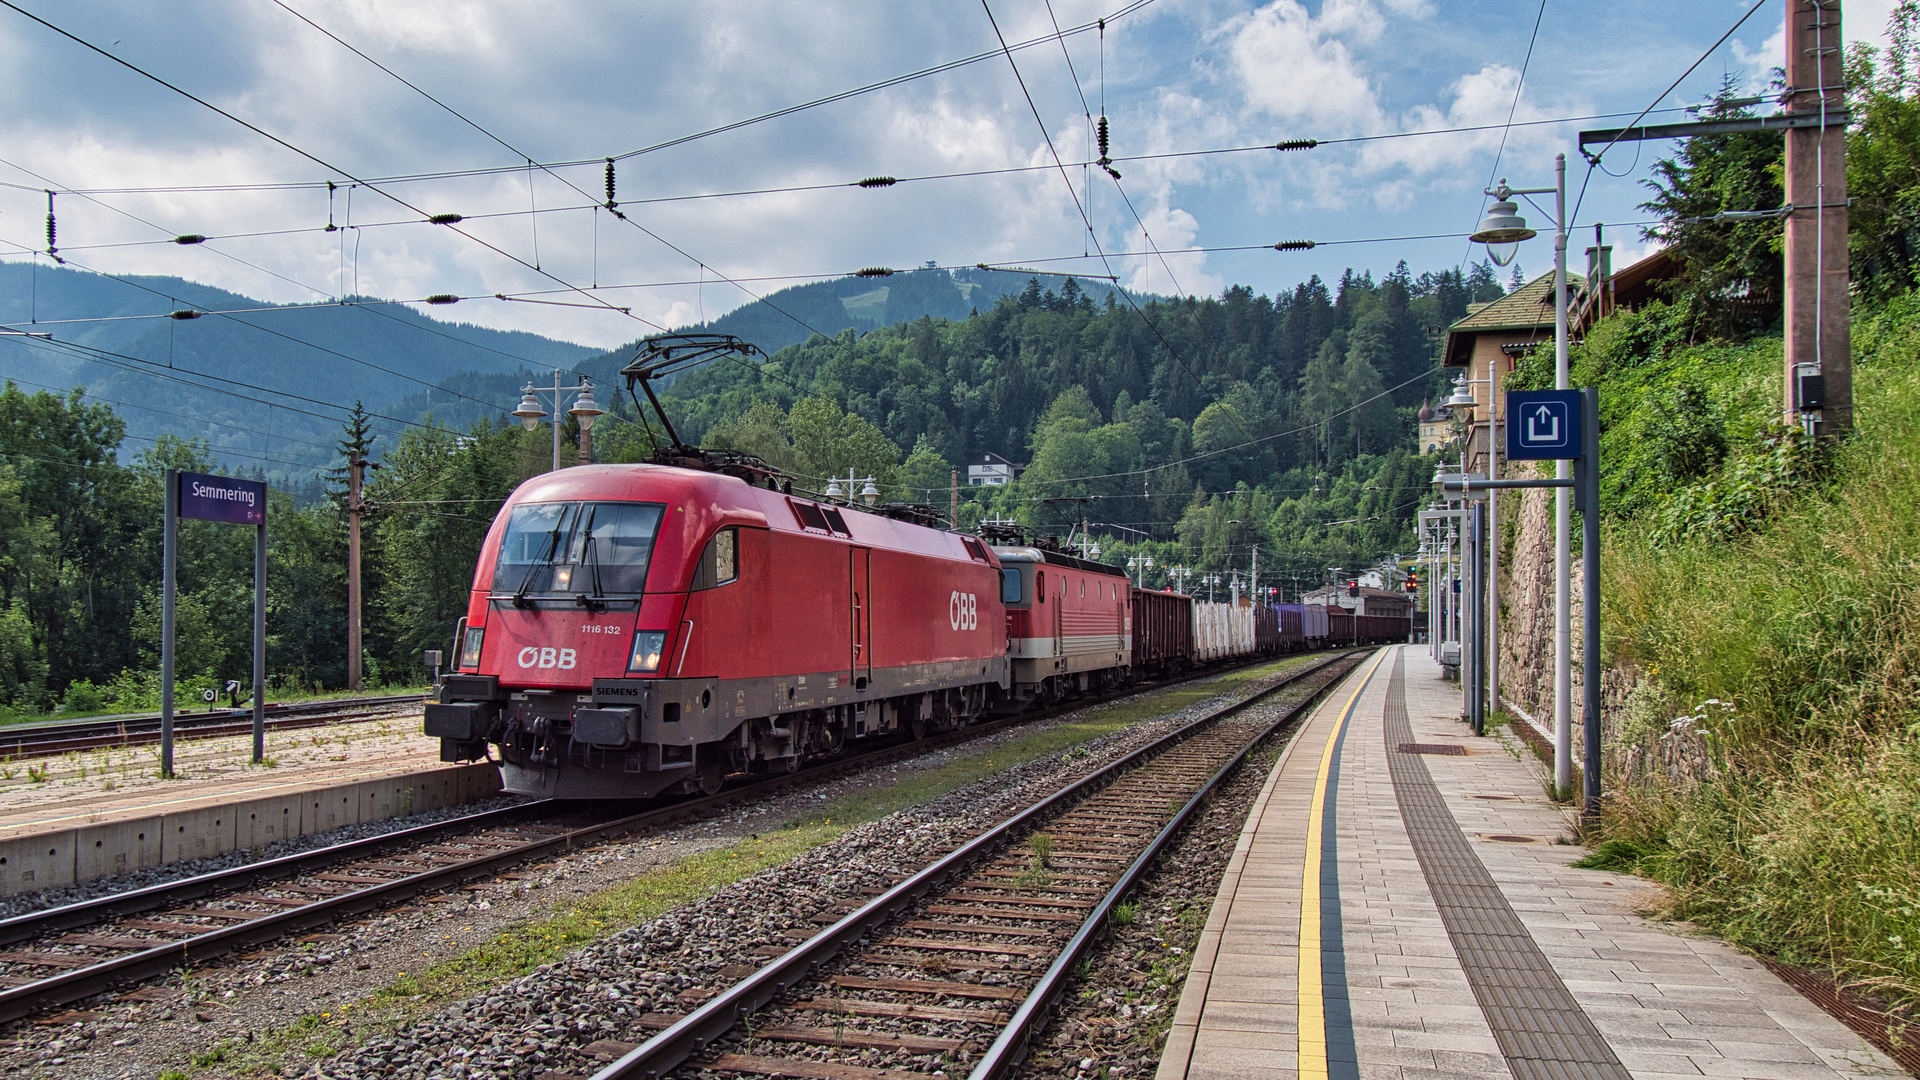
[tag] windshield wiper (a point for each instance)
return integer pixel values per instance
(596, 601)
(526, 581)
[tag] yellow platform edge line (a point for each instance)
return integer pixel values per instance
(1311, 1011)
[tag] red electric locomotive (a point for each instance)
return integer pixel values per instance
(636, 630)
(1069, 628)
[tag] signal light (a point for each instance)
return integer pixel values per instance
(1353, 587)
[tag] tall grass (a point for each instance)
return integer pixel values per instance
(1790, 659)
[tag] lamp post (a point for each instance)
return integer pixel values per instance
(1141, 564)
(1210, 580)
(585, 410)
(1502, 230)
(1463, 398)
(1178, 574)
(869, 491)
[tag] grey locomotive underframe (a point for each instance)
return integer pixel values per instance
(634, 738)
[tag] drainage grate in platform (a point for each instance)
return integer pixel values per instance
(1541, 1029)
(1444, 749)
(1891, 1034)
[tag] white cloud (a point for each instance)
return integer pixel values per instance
(1294, 66)
(1177, 269)
(1482, 99)
(462, 27)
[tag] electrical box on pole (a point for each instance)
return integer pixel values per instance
(1817, 272)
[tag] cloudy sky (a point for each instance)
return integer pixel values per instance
(567, 81)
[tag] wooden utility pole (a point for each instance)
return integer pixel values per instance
(356, 464)
(1819, 376)
(953, 501)
(1817, 272)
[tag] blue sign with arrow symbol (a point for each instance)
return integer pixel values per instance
(1543, 425)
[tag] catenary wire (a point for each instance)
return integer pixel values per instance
(311, 185)
(316, 159)
(531, 165)
(1075, 196)
(1593, 159)
(1506, 129)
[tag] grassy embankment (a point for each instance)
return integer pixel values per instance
(1785, 664)
(521, 949)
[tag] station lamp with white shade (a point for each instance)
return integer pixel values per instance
(529, 410)
(585, 410)
(1503, 228)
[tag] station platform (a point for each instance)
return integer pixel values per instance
(1400, 906)
(94, 814)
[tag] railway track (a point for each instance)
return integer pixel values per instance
(961, 962)
(54, 739)
(62, 955)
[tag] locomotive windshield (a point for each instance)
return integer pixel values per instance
(596, 549)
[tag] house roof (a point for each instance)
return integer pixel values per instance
(1529, 307)
(1630, 288)
(991, 458)
(1526, 307)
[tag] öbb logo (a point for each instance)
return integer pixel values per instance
(564, 659)
(963, 611)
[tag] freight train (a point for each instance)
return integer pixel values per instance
(643, 630)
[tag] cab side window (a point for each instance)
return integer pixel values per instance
(720, 562)
(1010, 586)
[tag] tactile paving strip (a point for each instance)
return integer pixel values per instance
(1541, 1029)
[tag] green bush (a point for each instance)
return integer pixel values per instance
(82, 697)
(1789, 656)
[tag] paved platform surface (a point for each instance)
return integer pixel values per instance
(120, 783)
(99, 813)
(1392, 913)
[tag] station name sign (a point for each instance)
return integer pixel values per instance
(222, 498)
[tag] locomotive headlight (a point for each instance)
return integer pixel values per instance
(562, 578)
(470, 646)
(647, 647)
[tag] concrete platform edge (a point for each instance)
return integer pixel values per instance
(1177, 1054)
(72, 855)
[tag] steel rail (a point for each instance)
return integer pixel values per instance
(1011, 1045)
(50, 739)
(691, 1034)
(79, 983)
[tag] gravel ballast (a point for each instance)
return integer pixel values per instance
(215, 1019)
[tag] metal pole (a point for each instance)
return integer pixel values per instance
(556, 420)
(1493, 536)
(1590, 596)
(169, 548)
(1477, 615)
(1562, 509)
(356, 462)
(1433, 594)
(260, 642)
